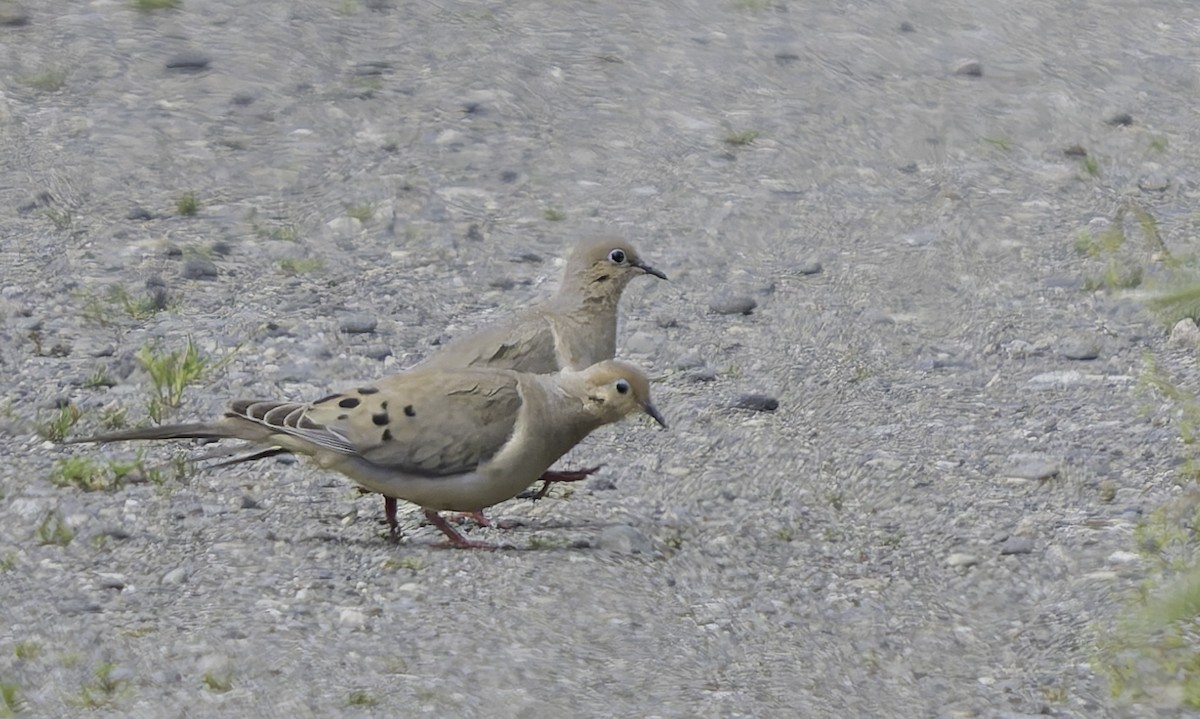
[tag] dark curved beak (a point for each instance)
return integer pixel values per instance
(650, 410)
(650, 271)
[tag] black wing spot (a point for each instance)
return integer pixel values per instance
(349, 403)
(380, 418)
(383, 404)
(409, 411)
(326, 398)
(368, 390)
(343, 416)
(387, 435)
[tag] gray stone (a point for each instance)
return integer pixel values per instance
(1031, 467)
(962, 559)
(969, 68)
(188, 62)
(689, 360)
(756, 402)
(732, 305)
(357, 323)
(108, 580)
(1017, 545)
(643, 343)
(624, 539)
(199, 268)
(809, 267)
(1080, 348)
(1185, 334)
(175, 577)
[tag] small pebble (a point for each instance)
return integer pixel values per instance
(907, 26)
(1032, 468)
(188, 62)
(969, 68)
(1080, 348)
(107, 580)
(1121, 119)
(701, 374)
(756, 402)
(642, 343)
(1185, 333)
(689, 360)
(1017, 545)
(960, 559)
(139, 213)
(176, 576)
(601, 484)
(199, 268)
(809, 267)
(352, 618)
(13, 15)
(1154, 182)
(624, 539)
(358, 324)
(733, 305)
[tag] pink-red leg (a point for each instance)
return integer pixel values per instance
(452, 534)
(549, 477)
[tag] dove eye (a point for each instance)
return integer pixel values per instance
(617, 256)
(622, 387)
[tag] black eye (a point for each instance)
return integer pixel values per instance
(622, 387)
(617, 257)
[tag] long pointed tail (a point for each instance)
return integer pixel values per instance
(191, 430)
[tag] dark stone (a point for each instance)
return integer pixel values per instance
(188, 62)
(199, 268)
(756, 402)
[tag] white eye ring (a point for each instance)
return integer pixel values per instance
(622, 387)
(617, 256)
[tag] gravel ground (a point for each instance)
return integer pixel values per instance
(867, 214)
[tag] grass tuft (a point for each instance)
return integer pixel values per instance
(187, 204)
(55, 429)
(741, 139)
(300, 266)
(52, 530)
(172, 372)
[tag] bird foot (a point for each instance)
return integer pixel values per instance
(476, 517)
(454, 539)
(549, 477)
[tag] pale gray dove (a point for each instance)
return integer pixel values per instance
(445, 440)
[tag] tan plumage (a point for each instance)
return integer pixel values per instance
(573, 329)
(458, 440)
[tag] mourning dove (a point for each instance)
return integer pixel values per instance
(445, 440)
(574, 328)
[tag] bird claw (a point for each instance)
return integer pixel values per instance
(549, 477)
(455, 539)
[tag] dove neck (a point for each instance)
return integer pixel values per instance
(563, 396)
(596, 293)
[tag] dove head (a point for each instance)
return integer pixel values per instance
(602, 267)
(618, 389)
